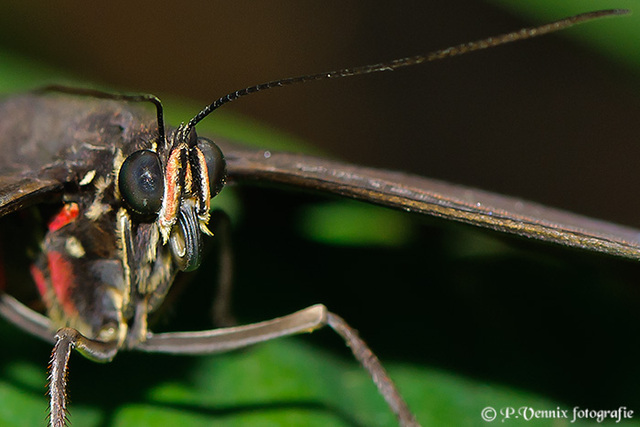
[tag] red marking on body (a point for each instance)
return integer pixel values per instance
(41, 282)
(62, 280)
(67, 214)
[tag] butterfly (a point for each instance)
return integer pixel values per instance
(183, 160)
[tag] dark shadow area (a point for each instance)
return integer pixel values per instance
(559, 322)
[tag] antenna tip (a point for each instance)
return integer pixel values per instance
(621, 12)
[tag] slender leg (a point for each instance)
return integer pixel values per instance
(26, 319)
(377, 372)
(66, 340)
(306, 320)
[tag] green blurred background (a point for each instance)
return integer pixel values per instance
(465, 319)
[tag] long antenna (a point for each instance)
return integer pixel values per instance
(460, 49)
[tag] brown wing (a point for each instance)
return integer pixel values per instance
(18, 192)
(51, 139)
(426, 196)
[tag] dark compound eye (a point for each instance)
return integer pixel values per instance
(141, 182)
(215, 164)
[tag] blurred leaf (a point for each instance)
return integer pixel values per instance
(354, 223)
(281, 383)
